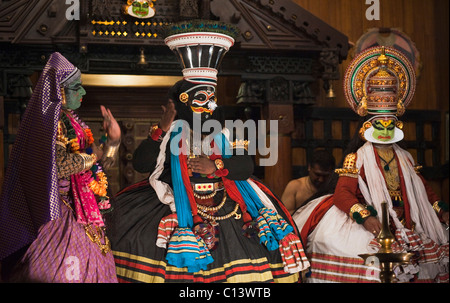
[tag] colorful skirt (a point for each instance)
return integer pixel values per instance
(237, 258)
(63, 253)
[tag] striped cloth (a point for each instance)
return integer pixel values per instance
(134, 269)
(332, 268)
(166, 228)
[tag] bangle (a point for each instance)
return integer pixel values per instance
(359, 212)
(219, 164)
(88, 160)
(440, 205)
(156, 133)
(373, 211)
(221, 171)
(111, 150)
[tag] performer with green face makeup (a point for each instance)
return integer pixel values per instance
(379, 84)
(142, 9)
(74, 94)
(55, 192)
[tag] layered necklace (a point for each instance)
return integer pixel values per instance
(99, 182)
(207, 211)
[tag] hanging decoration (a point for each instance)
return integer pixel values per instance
(142, 9)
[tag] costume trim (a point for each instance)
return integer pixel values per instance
(349, 167)
(133, 268)
(185, 249)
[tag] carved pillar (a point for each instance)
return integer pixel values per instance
(278, 175)
(189, 9)
(126, 155)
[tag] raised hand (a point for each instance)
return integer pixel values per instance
(110, 125)
(169, 113)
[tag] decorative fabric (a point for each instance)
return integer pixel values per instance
(86, 207)
(293, 255)
(375, 192)
(188, 250)
(63, 253)
(183, 250)
(166, 227)
(30, 195)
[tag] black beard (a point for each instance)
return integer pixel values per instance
(187, 115)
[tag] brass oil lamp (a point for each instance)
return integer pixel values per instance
(386, 257)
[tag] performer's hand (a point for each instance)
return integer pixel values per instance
(372, 225)
(169, 113)
(201, 165)
(97, 151)
(111, 126)
(445, 217)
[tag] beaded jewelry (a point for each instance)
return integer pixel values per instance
(202, 211)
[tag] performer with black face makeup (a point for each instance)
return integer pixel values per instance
(200, 217)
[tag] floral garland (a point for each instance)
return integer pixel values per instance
(99, 182)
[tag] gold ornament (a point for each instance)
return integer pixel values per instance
(184, 97)
(363, 129)
(362, 108)
(400, 108)
(63, 95)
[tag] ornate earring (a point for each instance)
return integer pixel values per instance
(399, 124)
(63, 95)
(400, 108)
(184, 97)
(363, 129)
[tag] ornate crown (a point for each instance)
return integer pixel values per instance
(380, 81)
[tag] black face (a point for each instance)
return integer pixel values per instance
(193, 101)
(202, 101)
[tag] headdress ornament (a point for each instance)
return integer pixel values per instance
(379, 81)
(200, 46)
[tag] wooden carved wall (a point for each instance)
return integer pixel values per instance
(287, 53)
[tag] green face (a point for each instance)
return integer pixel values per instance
(383, 130)
(74, 94)
(140, 9)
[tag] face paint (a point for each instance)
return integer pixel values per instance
(383, 130)
(204, 101)
(140, 8)
(74, 94)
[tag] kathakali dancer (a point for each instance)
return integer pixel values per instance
(55, 190)
(200, 217)
(379, 84)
